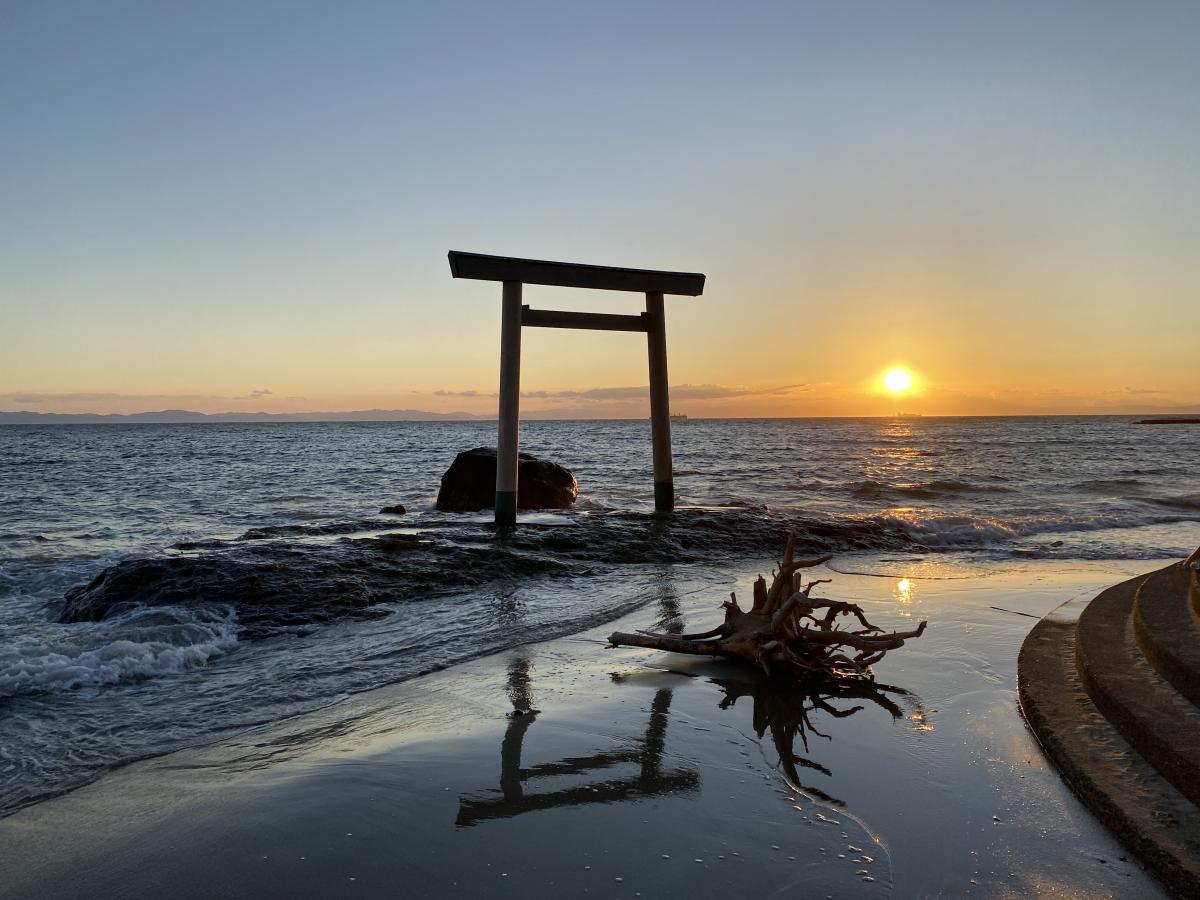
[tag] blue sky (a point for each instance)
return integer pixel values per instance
(214, 199)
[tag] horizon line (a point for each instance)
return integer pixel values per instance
(192, 417)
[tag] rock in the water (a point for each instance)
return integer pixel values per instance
(469, 484)
(397, 510)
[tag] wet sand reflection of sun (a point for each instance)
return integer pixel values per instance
(920, 723)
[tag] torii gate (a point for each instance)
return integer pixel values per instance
(516, 272)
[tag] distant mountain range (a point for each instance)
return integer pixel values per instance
(183, 416)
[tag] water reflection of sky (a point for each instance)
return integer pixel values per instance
(639, 769)
(597, 777)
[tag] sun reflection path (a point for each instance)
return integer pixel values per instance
(920, 723)
(905, 592)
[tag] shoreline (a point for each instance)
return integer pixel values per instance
(434, 787)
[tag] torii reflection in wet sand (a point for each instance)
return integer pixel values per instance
(513, 800)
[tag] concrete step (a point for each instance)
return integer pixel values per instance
(1156, 720)
(1166, 623)
(1149, 815)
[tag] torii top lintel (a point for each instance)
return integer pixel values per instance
(577, 275)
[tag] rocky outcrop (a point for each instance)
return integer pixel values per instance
(280, 578)
(469, 484)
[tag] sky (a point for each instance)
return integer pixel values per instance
(231, 207)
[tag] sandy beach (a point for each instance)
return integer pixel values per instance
(564, 768)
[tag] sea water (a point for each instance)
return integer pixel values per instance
(240, 574)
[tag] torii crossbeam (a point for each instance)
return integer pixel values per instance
(514, 273)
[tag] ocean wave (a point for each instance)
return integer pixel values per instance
(30, 538)
(1183, 501)
(588, 503)
(1106, 485)
(947, 531)
(146, 643)
(817, 485)
(927, 490)
(315, 529)
(1099, 551)
(1158, 472)
(950, 532)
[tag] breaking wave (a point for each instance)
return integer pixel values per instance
(948, 531)
(144, 643)
(929, 490)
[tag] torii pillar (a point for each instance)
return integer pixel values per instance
(513, 273)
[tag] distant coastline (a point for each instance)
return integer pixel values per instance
(185, 416)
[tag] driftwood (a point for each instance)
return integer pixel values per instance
(787, 629)
(1193, 561)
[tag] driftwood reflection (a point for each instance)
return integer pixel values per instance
(786, 709)
(646, 754)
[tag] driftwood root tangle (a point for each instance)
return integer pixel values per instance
(787, 629)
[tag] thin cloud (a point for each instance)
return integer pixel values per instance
(678, 391)
(103, 396)
(23, 397)
(44, 398)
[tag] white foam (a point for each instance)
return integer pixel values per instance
(948, 531)
(147, 644)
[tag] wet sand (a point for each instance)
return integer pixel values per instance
(633, 774)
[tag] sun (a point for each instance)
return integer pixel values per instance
(897, 380)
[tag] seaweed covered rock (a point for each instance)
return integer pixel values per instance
(283, 584)
(469, 485)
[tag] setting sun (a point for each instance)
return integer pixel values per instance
(897, 380)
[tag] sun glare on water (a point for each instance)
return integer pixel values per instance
(897, 380)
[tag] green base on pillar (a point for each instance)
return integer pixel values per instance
(664, 496)
(506, 507)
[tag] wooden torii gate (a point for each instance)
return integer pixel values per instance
(514, 273)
